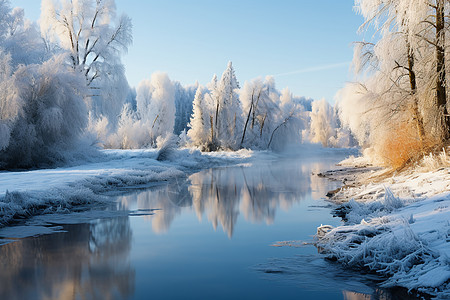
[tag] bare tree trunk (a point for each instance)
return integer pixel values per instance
(151, 135)
(413, 84)
(255, 107)
(233, 129)
(217, 113)
(441, 95)
(278, 127)
(154, 121)
(246, 122)
(212, 128)
(262, 125)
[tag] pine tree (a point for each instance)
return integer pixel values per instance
(199, 123)
(229, 122)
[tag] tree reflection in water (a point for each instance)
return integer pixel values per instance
(381, 294)
(221, 194)
(89, 261)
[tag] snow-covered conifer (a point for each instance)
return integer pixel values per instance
(199, 132)
(184, 96)
(228, 117)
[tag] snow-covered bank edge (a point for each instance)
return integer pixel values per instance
(61, 190)
(398, 227)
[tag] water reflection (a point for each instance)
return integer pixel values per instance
(380, 294)
(257, 191)
(90, 261)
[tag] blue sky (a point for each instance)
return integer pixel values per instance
(306, 44)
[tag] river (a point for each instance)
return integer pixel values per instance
(217, 234)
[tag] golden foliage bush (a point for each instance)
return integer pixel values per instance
(402, 147)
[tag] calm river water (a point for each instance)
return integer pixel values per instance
(211, 236)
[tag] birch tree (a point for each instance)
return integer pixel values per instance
(95, 39)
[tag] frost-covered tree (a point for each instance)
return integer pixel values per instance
(200, 125)
(403, 90)
(256, 116)
(45, 113)
(260, 106)
(19, 37)
(398, 53)
(10, 103)
(184, 97)
(212, 85)
(95, 39)
(288, 121)
(228, 115)
(42, 109)
(273, 119)
(323, 122)
(156, 105)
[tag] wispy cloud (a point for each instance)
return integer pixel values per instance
(315, 69)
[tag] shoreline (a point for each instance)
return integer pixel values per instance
(396, 225)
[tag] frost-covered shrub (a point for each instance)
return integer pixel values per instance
(48, 116)
(166, 146)
(375, 247)
(433, 162)
(391, 248)
(132, 132)
(354, 212)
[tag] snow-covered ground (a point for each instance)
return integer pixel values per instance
(398, 227)
(27, 193)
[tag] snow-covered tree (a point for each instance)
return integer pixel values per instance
(287, 121)
(323, 122)
(228, 115)
(10, 104)
(257, 116)
(156, 105)
(184, 97)
(19, 37)
(260, 105)
(45, 113)
(403, 90)
(212, 85)
(200, 125)
(95, 39)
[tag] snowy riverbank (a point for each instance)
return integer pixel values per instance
(397, 226)
(27, 193)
